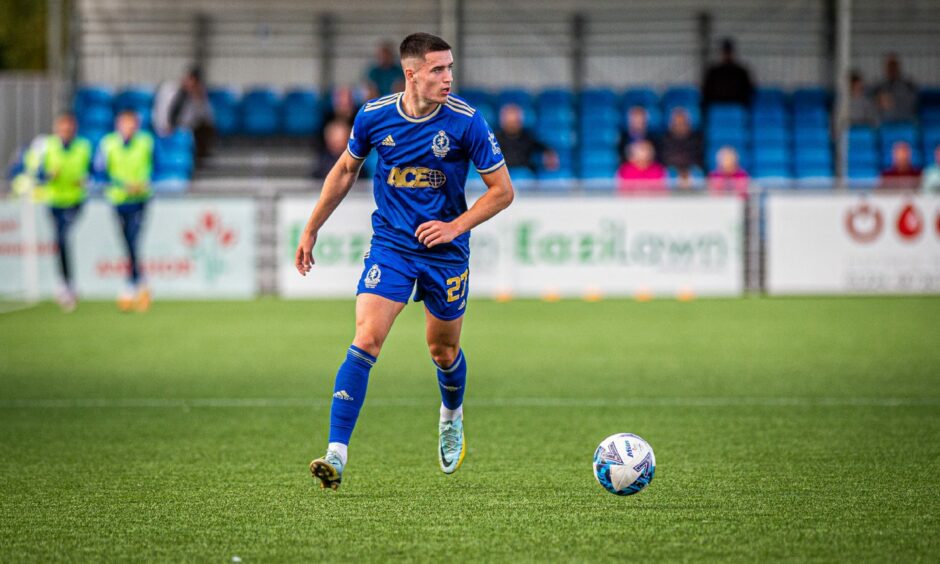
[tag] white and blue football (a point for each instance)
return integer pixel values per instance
(624, 464)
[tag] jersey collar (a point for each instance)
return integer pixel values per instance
(401, 111)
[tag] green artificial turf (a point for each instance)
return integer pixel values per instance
(784, 429)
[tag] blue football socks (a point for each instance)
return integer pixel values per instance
(453, 380)
(349, 393)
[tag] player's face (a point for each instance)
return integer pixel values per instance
(435, 76)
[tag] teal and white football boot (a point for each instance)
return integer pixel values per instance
(452, 447)
(328, 469)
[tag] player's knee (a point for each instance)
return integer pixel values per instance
(444, 355)
(368, 342)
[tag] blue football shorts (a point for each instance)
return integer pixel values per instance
(392, 275)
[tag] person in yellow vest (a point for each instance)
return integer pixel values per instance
(61, 165)
(125, 162)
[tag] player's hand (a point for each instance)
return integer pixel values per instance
(304, 258)
(433, 233)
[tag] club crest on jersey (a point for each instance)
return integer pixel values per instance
(440, 144)
(373, 277)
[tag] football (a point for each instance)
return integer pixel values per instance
(624, 464)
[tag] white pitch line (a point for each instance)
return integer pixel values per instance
(167, 403)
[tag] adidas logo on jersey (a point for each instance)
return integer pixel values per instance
(388, 141)
(343, 395)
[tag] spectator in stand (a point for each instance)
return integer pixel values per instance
(728, 175)
(186, 104)
(386, 75)
(681, 147)
(728, 82)
(862, 109)
(641, 172)
(902, 173)
(896, 95)
(336, 135)
(637, 130)
(930, 183)
(520, 146)
(342, 108)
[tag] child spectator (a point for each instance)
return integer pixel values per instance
(641, 172)
(728, 175)
(902, 173)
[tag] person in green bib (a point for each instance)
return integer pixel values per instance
(61, 164)
(124, 161)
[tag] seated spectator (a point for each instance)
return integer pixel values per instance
(896, 95)
(862, 109)
(930, 183)
(728, 175)
(386, 75)
(342, 107)
(641, 172)
(637, 130)
(336, 135)
(727, 82)
(681, 147)
(186, 104)
(902, 173)
(519, 145)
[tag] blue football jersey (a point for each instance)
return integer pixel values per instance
(422, 170)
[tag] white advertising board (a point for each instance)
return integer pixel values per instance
(190, 248)
(847, 243)
(568, 247)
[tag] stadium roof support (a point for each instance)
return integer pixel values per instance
(843, 49)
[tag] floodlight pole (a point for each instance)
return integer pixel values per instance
(843, 60)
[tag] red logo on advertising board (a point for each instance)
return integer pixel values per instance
(910, 222)
(864, 222)
(206, 241)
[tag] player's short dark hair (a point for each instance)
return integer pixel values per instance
(420, 44)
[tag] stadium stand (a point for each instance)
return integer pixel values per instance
(782, 139)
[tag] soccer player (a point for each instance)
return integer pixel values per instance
(426, 139)
(61, 163)
(125, 160)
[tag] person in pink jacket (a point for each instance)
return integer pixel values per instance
(728, 176)
(641, 173)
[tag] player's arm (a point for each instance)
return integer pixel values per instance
(335, 187)
(498, 196)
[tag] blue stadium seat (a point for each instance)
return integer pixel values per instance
(554, 97)
(930, 116)
(862, 137)
(89, 96)
(727, 115)
(225, 110)
(687, 96)
(555, 137)
(300, 113)
(770, 116)
(600, 116)
(134, 98)
(768, 97)
(640, 96)
(96, 117)
(516, 96)
(259, 112)
(599, 137)
(811, 137)
(559, 116)
(770, 136)
(476, 97)
(811, 116)
(594, 98)
(810, 98)
(722, 135)
(931, 140)
(173, 158)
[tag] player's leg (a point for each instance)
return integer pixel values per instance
(444, 292)
(64, 218)
(383, 293)
(131, 217)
